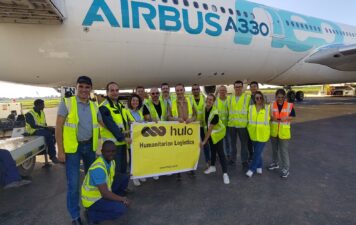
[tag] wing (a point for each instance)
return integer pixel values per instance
(339, 57)
(32, 11)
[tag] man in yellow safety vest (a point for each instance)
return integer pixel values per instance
(77, 135)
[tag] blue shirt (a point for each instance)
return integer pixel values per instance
(136, 116)
(98, 176)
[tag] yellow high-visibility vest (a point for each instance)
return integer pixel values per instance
(40, 120)
(70, 129)
(118, 114)
(258, 123)
(238, 111)
(153, 113)
(91, 194)
(219, 130)
(199, 108)
(131, 118)
(175, 108)
(222, 107)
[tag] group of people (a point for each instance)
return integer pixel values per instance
(81, 122)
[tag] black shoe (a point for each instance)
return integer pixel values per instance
(88, 220)
(77, 222)
(245, 167)
(55, 160)
(231, 162)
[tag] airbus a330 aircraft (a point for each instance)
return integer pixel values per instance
(51, 42)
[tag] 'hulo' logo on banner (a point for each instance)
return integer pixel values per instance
(153, 131)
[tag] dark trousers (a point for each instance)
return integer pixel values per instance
(107, 209)
(219, 149)
(50, 141)
(250, 148)
(205, 147)
(121, 159)
(8, 170)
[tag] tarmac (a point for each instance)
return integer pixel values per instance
(319, 191)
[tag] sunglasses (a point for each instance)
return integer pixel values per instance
(258, 98)
(155, 93)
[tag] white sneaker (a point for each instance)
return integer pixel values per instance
(259, 171)
(226, 178)
(155, 177)
(136, 182)
(143, 179)
(211, 169)
(249, 173)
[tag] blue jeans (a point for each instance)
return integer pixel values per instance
(8, 170)
(84, 151)
(107, 209)
(121, 159)
(50, 141)
(257, 155)
(206, 146)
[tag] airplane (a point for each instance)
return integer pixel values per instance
(147, 42)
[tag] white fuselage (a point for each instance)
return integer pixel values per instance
(151, 42)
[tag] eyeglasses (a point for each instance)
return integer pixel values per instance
(195, 89)
(155, 93)
(258, 98)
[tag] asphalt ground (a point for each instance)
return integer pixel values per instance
(319, 191)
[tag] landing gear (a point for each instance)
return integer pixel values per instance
(299, 96)
(292, 96)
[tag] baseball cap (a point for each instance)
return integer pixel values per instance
(85, 80)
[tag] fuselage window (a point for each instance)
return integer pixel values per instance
(213, 7)
(231, 11)
(287, 22)
(253, 16)
(306, 26)
(302, 26)
(196, 5)
(311, 27)
(175, 2)
(245, 14)
(326, 30)
(222, 9)
(297, 24)
(343, 33)
(319, 29)
(205, 6)
(292, 23)
(186, 3)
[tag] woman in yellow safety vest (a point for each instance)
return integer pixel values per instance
(259, 130)
(282, 113)
(134, 114)
(215, 132)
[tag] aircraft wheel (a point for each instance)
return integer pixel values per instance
(299, 96)
(291, 96)
(26, 168)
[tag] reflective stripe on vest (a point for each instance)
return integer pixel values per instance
(40, 120)
(118, 114)
(70, 129)
(278, 128)
(132, 118)
(200, 108)
(258, 126)
(222, 107)
(238, 111)
(175, 108)
(153, 112)
(91, 194)
(219, 130)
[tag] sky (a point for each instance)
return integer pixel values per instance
(343, 11)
